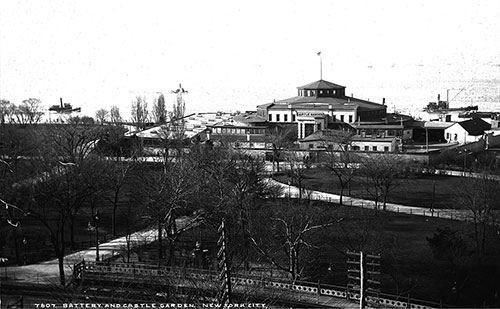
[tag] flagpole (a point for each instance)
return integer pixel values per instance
(320, 66)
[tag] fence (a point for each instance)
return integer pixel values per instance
(288, 291)
(451, 214)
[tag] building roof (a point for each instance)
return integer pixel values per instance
(379, 126)
(437, 124)
(232, 138)
(321, 84)
(371, 139)
(475, 126)
(340, 125)
(338, 136)
(346, 103)
(249, 118)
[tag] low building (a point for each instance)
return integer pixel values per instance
(238, 136)
(467, 131)
(376, 144)
(338, 140)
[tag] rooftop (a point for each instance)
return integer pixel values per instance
(321, 84)
(475, 126)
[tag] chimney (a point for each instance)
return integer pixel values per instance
(439, 98)
(352, 95)
(60, 99)
(383, 101)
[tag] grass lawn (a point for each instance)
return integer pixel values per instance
(408, 266)
(37, 247)
(415, 191)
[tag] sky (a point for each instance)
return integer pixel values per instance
(235, 55)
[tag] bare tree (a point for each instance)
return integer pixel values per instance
(115, 178)
(165, 190)
(5, 111)
(297, 172)
(338, 158)
(160, 110)
(179, 107)
(382, 174)
(42, 200)
(102, 115)
(140, 112)
(479, 197)
(283, 234)
(72, 145)
(280, 138)
(29, 112)
(114, 114)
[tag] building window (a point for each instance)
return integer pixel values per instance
(447, 136)
(277, 117)
(293, 117)
(342, 118)
(386, 148)
(355, 147)
(334, 118)
(456, 137)
(374, 148)
(367, 148)
(270, 117)
(350, 118)
(311, 146)
(286, 118)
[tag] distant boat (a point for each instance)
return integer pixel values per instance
(434, 107)
(443, 107)
(64, 108)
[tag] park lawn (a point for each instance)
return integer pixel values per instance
(37, 247)
(414, 191)
(407, 262)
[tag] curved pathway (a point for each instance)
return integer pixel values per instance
(451, 214)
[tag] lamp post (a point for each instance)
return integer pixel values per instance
(25, 242)
(465, 159)
(96, 223)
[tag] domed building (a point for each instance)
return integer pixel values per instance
(323, 105)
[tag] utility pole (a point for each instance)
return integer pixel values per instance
(224, 295)
(363, 274)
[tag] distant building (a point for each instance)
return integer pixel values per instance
(317, 105)
(467, 131)
(338, 140)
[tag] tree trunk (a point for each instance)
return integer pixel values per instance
(341, 193)
(171, 252)
(60, 248)
(16, 248)
(60, 259)
(113, 218)
(71, 233)
(160, 245)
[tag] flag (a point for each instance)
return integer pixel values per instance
(319, 53)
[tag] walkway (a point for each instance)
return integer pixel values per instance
(451, 214)
(48, 272)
